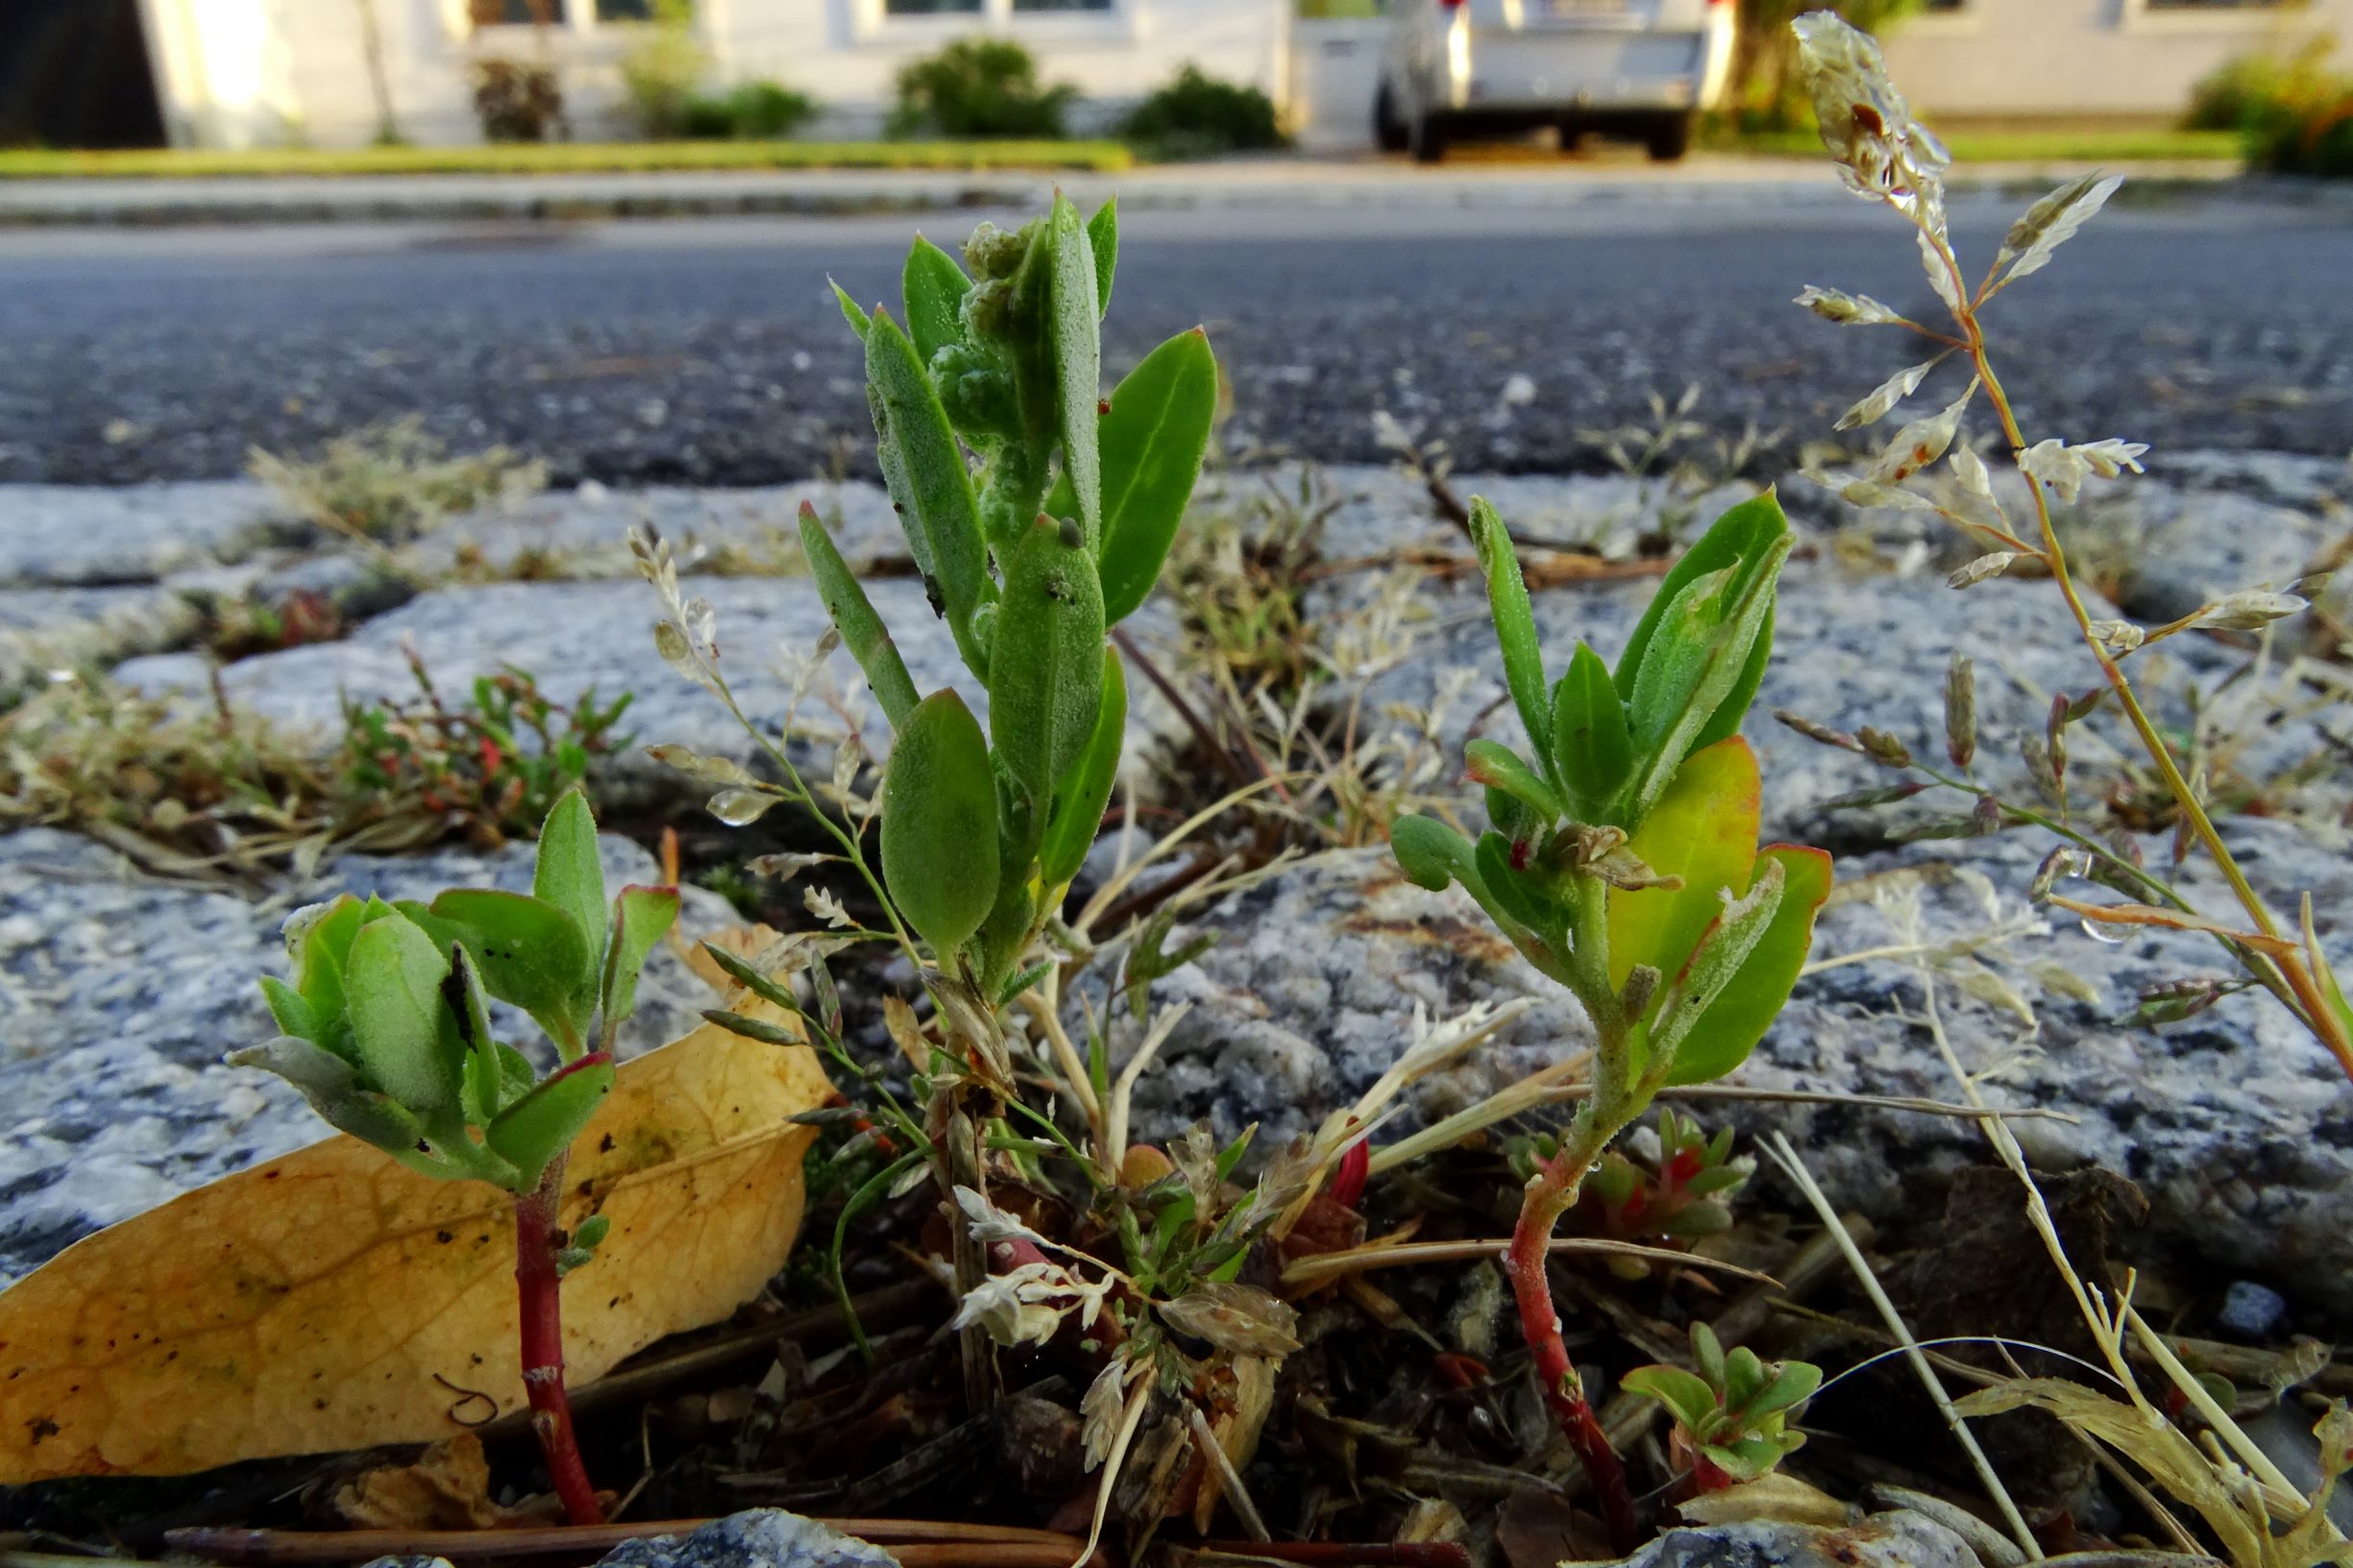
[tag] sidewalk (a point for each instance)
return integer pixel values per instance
(1287, 182)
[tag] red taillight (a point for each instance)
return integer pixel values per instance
(1450, 5)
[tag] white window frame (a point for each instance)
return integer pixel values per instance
(579, 24)
(1121, 22)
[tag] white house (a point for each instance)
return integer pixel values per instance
(234, 73)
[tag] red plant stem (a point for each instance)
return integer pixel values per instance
(1552, 1191)
(539, 1297)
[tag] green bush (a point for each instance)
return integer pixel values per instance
(980, 88)
(754, 111)
(2295, 114)
(2307, 135)
(1196, 115)
(664, 70)
(516, 102)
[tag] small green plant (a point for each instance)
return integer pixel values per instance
(980, 88)
(759, 110)
(484, 770)
(387, 1033)
(664, 69)
(1731, 1415)
(389, 484)
(1197, 115)
(1680, 1198)
(1622, 863)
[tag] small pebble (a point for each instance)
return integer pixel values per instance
(2252, 1311)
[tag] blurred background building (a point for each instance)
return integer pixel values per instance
(240, 73)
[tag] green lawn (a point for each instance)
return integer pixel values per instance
(2035, 146)
(571, 158)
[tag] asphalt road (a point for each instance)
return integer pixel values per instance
(710, 352)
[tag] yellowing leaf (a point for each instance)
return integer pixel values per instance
(1703, 830)
(333, 1299)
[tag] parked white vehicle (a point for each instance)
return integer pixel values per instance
(1639, 68)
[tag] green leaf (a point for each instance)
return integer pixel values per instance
(1723, 949)
(1515, 625)
(1152, 444)
(934, 288)
(1074, 327)
(319, 942)
(1687, 1397)
(530, 1133)
(641, 918)
(1045, 672)
(851, 311)
(925, 471)
(939, 825)
(1084, 792)
(1707, 1354)
(853, 615)
(1744, 536)
(292, 1011)
(1514, 893)
(1746, 1009)
(568, 872)
(1790, 1387)
(1498, 767)
(393, 987)
(1703, 830)
(1431, 854)
(1103, 233)
(1593, 752)
(321, 1075)
(465, 1007)
(532, 956)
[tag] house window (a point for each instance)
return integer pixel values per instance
(2216, 5)
(517, 13)
(931, 7)
(1061, 5)
(625, 11)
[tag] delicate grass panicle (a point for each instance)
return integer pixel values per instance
(1887, 157)
(1622, 863)
(387, 1033)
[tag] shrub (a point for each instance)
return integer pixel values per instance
(754, 111)
(516, 102)
(1196, 115)
(980, 88)
(2296, 115)
(664, 70)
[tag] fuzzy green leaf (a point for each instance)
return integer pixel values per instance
(1103, 233)
(854, 616)
(939, 825)
(530, 1133)
(1045, 672)
(1074, 325)
(1515, 626)
(292, 1010)
(1731, 1028)
(1593, 752)
(1742, 535)
(319, 942)
(533, 955)
(1501, 769)
(1431, 854)
(933, 291)
(321, 1075)
(393, 987)
(641, 918)
(1079, 801)
(1152, 444)
(925, 471)
(851, 311)
(465, 1009)
(568, 872)
(1723, 949)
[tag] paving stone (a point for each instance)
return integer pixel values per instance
(86, 537)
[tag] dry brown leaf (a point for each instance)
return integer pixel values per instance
(333, 1299)
(1772, 1497)
(447, 1487)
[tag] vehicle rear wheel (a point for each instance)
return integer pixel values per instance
(1670, 139)
(1390, 129)
(1429, 139)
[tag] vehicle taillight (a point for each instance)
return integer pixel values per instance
(1450, 5)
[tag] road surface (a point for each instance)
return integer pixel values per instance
(710, 352)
